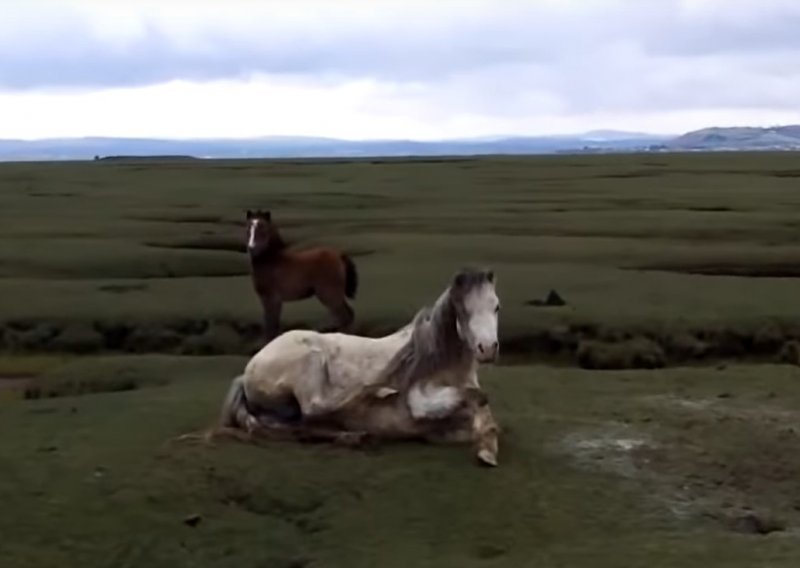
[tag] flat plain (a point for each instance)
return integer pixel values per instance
(649, 420)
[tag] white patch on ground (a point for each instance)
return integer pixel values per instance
(609, 447)
(614, 448)
(606, 447)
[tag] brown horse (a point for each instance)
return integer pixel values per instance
(283, 275)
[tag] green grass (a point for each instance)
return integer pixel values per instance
(30, 365)
(663, 261)
(624, 239)
(92, 480)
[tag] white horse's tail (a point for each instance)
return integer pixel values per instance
(233, 419)
(234, 411)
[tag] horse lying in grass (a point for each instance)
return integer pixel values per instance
(283, 275)
(420, 382)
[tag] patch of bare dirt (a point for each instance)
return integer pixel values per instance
(733, 462)
(608, 447)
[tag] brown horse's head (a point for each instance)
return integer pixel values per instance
(262, 235)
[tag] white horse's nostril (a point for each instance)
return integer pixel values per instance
(480, 347)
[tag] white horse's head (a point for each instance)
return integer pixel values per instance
(478, 309)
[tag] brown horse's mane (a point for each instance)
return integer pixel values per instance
(434, 344)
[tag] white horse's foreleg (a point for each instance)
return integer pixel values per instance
(472, 422)
(486, 432)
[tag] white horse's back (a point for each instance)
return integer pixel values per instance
(320, 370)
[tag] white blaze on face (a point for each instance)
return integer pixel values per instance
(251, 238)
(482, 306)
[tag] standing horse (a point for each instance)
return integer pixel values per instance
(420, 382)
(282, 275)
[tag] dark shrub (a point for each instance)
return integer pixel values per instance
(685, 346)
(33, 337)
(219, 338)
(152, 339)
(790, 353)
(637, 353)
(78, 338)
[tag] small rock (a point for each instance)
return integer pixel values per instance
(192, 520)
(553, 299)
(488, 551)
(754, 524)
(724, 395)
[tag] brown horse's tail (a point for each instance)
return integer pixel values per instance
(350, 277)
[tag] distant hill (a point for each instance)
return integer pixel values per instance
(309, 147)
(128, 158)
(739, 138)
(597, 141)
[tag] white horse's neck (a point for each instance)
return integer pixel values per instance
(398, 337)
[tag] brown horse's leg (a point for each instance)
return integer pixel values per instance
(272, 307)
(337, 305)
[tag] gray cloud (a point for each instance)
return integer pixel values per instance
(573, 56)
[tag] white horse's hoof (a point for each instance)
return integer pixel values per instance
(487, 458)
(386, 392)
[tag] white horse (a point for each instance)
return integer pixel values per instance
(420, 382)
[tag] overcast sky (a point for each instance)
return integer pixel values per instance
(412, 69)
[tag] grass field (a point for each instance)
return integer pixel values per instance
(694, 253)
(116, 277)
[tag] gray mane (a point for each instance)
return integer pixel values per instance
(434, 344)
